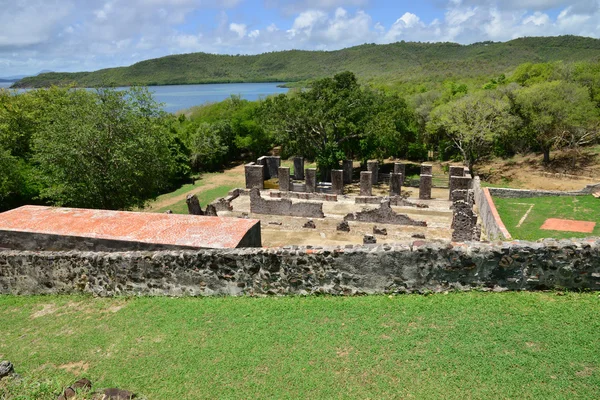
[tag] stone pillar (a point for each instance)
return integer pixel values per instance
(366, 183)
(459, 183)
(426, 169)
(425, 187)
(284, 178)
(395, 184)
(347, 167)
(337, 181)
(373, 167)
(400, 168)
(310, 177)
(455, 170)
(254, 176)
(193, 205)
(299, 168)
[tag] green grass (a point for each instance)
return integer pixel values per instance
(455, 346)
(205, 197)
(290, 164)
(187, 187)
(583, 208)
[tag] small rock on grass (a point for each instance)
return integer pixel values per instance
(6, 368)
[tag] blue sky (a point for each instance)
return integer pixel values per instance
(84, 35)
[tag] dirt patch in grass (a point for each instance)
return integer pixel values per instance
(75, 368)
(47, 309)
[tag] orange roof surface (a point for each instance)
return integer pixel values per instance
(164, 229)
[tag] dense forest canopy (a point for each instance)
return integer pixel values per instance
(403, 65)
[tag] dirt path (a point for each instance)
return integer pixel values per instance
(229, 176)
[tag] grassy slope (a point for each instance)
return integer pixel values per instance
(396, 62)
(583, 208)
(474, 345)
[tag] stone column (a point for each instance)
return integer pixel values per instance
(284, 178)
(366, 183)
(347, 167)
(425, 187)
(459, 183)
(310, 178)
(395, 184)
(400, 168)
(299, 168)
(193, 205)
(337, 181)
(373, 167)
(426, 169)
(455, 170)
(254, 176)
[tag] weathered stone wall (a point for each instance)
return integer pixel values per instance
(271, 164)
(492, 226)
(346, 270)
(299, 168)
(303, 196)
(523, 193)
(258, 205)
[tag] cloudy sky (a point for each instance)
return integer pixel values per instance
(84, 35)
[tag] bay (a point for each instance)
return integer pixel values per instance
(180, 97)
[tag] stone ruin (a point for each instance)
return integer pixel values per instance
(258, 205)
(383, 215)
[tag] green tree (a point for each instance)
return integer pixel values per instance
(472, 123)
(106, 149)
(557, 114)
(209, 146)
(337, 119)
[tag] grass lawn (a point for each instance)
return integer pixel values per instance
(205, 197)
(582, 208)
(454, 346)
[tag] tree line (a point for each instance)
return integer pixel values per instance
(116, 149)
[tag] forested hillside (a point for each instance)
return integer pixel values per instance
(395, 64)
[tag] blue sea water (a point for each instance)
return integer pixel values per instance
(179, 97)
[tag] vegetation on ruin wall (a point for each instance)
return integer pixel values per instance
(509, 345)
(512, 211)
(399, 65)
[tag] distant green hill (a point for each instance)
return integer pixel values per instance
(388, 64)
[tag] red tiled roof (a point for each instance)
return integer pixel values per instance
(163, 229)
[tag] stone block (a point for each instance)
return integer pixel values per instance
(395, 184)
(426, 169)
(343, 226)
(299, 168)
(369, 239)
(284, 179)
(254, 176)
(310, 177)
(366, 183)
(373, 167)
(459, 183)
(347, 167)
(455, 170)
(193, 205)
(400, 168)
(337, 181)
(271, 164)
(425, 187)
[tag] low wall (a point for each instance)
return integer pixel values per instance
(258, 205)
(493, 227)
(523, 193)
(346, 270)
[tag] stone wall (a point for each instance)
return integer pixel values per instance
(258, 205)
(349, 270)
(492, 226)
(523, 193)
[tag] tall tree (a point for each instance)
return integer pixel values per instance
(106, 149)
(556, 114)
(472, 123)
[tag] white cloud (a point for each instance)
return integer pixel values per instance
(73, 35)
(239, 29)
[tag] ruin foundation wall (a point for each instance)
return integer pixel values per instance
(350, 270)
